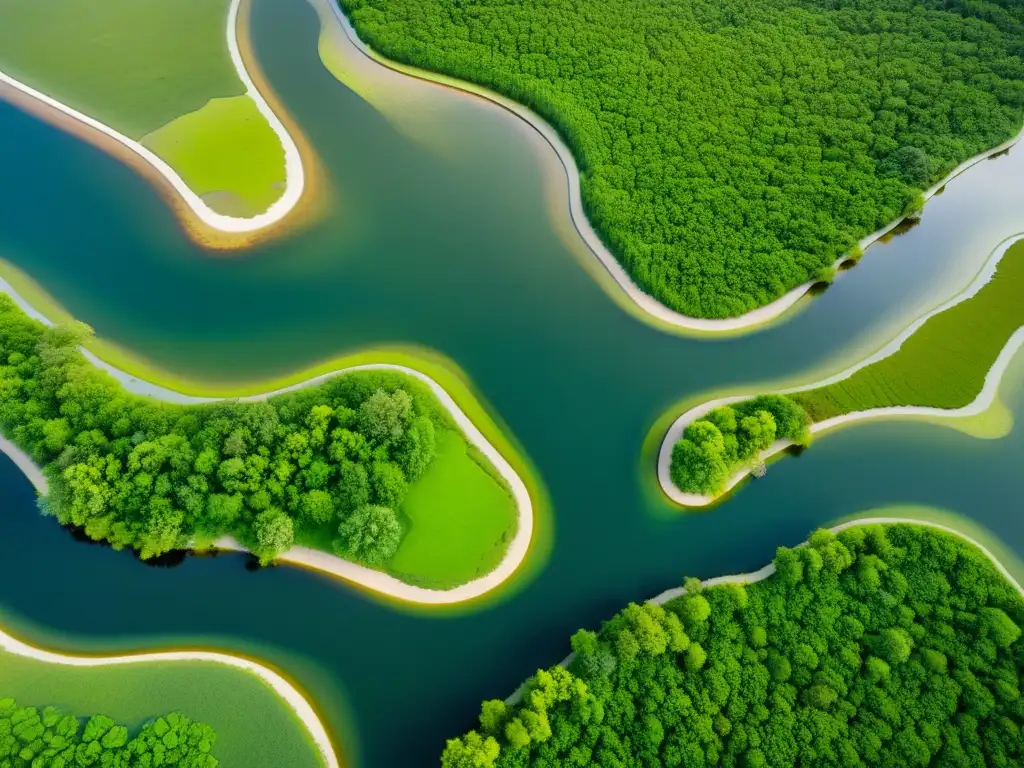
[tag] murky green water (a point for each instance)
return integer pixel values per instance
(446, 240)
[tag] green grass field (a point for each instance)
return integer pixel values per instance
(255, 728)
(943, 364)
(460, 520)
(133, 65)
(458, 517)
(226, 152)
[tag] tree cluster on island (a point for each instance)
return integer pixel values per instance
(731, 150)
(330, 460)
(49, 738)
(730, 436)
(895, 646)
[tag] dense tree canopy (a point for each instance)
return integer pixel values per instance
(48, 738)
(732, 149)
(156, 476)
(713, 446)
(885, 647)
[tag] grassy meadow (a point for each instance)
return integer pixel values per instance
(135, 66)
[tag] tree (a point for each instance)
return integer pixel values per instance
(821, 696)
(755, 433)
(371, 535)
(493, 715)
(318, 507)
(383, 417)
(1000, 627)
(584, 642)
(234, 445)
(876, 669)
(419, 446)
(911, 164)
(894, 645)
(275, 534)
(694, 609)
(353, 486)
(791, 420)
(789, 565)
(317, 474)
(698, 460)
(470, 751)
(779, 667)
(695, 657)
(388, 483)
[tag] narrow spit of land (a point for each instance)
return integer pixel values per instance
(947, 364)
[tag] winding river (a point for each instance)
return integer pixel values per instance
(447, 228)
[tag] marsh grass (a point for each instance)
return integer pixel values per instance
(943, 364)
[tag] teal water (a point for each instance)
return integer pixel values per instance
(456, 251)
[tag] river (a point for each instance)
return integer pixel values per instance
(447, 230)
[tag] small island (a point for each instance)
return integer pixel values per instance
(366, 474)
(881, 645)
(947, 364)
(166, 81)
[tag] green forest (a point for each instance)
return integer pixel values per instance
(329, 462)
(883, 647)
(48, 738)
(714, 446)
(730, 150)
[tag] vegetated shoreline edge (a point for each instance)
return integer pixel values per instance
(645, 302)
(982, 402)
(752, 577)
(294, 172)
(375, 581)
(278, 683)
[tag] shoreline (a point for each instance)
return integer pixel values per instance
(196, 206)
(982, 402)
(752, 577)
(359, 575)
(283, 688)
(650, 306)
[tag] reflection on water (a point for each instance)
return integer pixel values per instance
(457, 251)
(902, 228)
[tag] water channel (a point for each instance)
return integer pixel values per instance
(447, 229)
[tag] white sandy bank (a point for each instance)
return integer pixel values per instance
(294, 175)
(644, 301)
(977, 406)
(279, 684)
